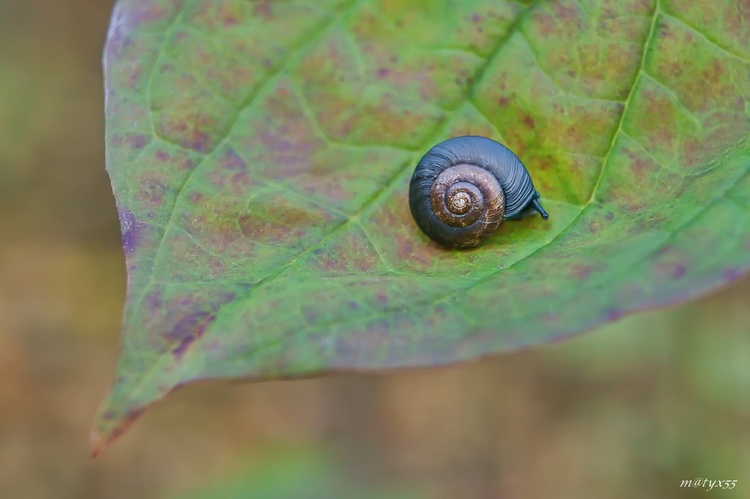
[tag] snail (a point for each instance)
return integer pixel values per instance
(464, 187)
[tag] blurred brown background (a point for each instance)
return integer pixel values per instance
(626, 411)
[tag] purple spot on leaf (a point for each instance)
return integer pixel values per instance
(582, 271)
(202, 141)
(612, 314)
(131, 229)
(383, 72)
(679, 270)
(188, 330)
(732, 274)
(132, 140)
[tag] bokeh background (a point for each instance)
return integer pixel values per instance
(626, 411)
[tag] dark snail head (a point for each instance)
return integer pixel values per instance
(463, 188)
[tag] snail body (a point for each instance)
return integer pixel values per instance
(464, 187)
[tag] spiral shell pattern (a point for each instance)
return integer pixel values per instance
(464, 187)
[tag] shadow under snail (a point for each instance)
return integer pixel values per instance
(464, 187)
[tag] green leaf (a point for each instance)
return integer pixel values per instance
(260, 154)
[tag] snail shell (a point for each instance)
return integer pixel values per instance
(464, 187)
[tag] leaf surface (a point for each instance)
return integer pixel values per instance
(260, 154)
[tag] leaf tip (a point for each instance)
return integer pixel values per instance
(97, 444)
(108, 427)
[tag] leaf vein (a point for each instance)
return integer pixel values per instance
(708, 38)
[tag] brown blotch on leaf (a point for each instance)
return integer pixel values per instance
(233, 175)
(582, 271)
(162, 155)
(132, 140)
(189, 131)
(277, 221)
(152, 190)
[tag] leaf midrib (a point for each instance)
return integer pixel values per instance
(390, 184)
(395, 180)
